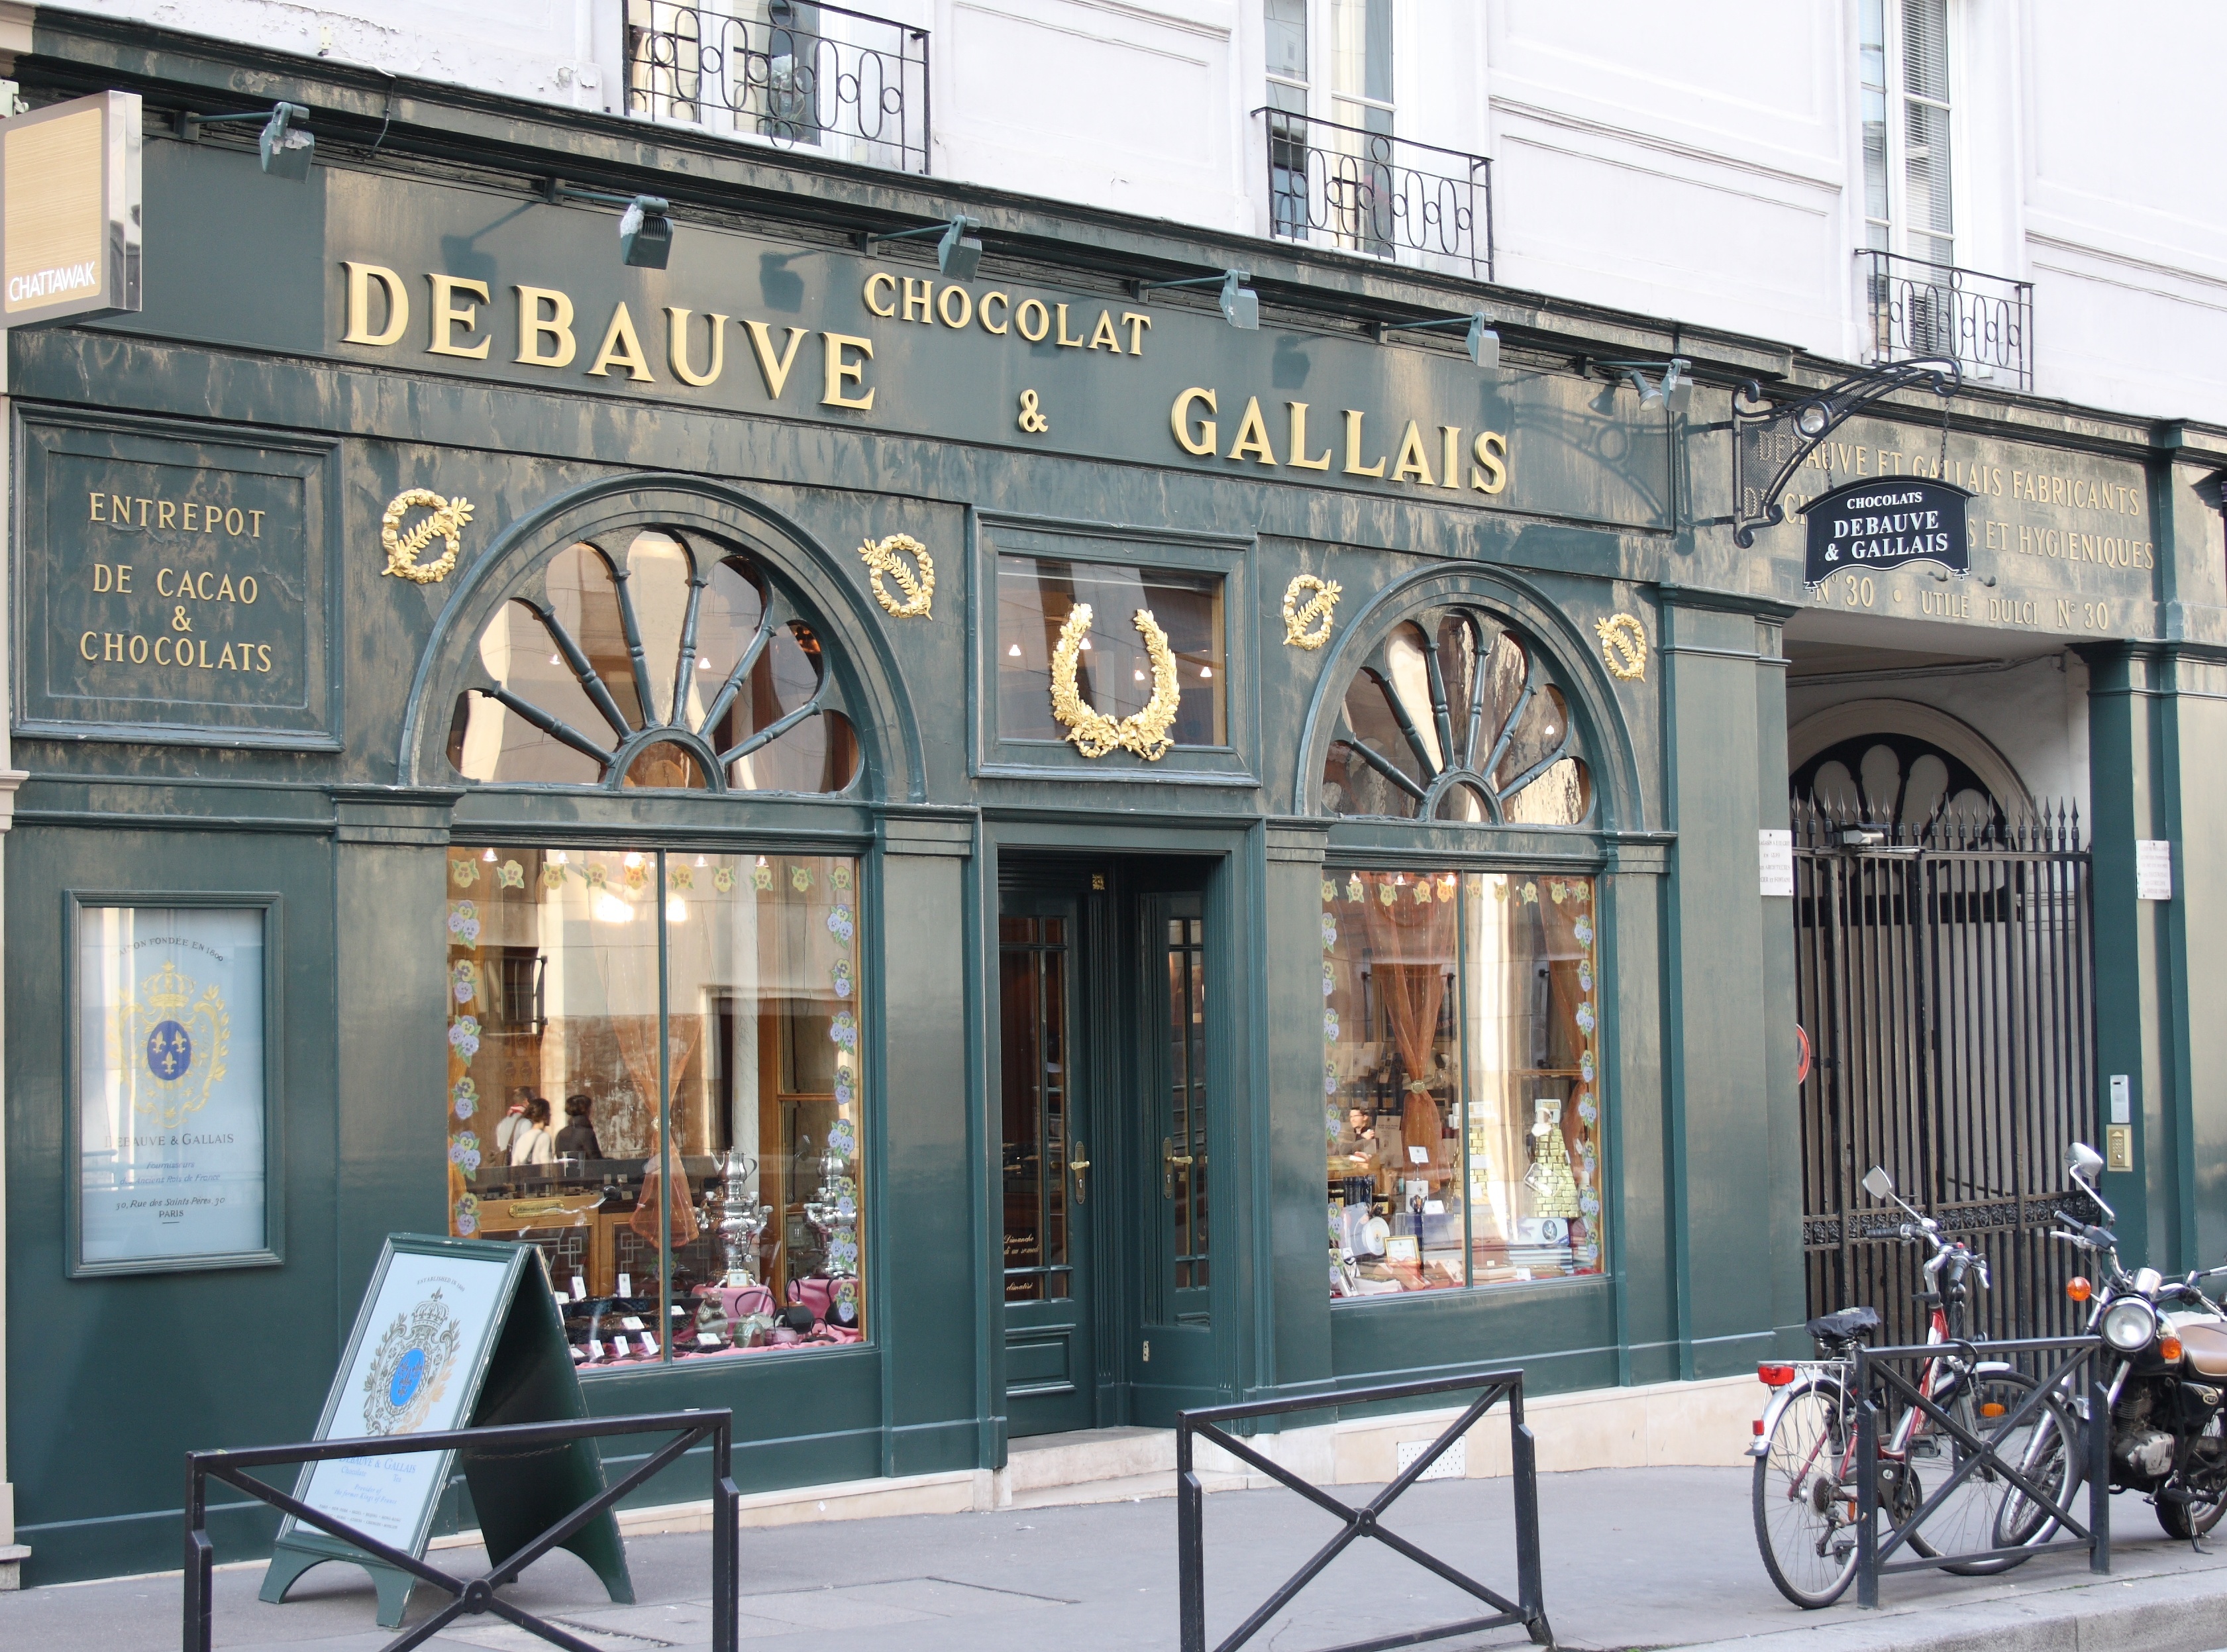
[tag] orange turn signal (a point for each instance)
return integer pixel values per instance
(2169, 1349)
(2077, 1288)
(1774, 1376)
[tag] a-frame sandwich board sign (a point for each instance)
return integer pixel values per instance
(453, 1333)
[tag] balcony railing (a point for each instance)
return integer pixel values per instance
(1916, 309)
(794, 74)
(1332, 185)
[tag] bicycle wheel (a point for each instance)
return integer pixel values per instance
(1984, 1502)
(1805, 1517)
(2054, 1461)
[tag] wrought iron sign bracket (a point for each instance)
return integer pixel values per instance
(1771, 440)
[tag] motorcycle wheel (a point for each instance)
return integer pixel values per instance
(2199, 1514)
(1802, 1523)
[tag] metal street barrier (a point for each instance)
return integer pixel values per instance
(1366, 1520)
(1980, 1458)
(473, 1595)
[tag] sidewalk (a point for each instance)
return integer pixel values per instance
(1634, 1557)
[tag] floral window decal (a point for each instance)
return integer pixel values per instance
(1454, 717)
(675, 664)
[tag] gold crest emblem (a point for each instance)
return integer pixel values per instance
(883, 557)
(1093, 733)
(1306, 625)
(1624, 646)
(173, 1037)
(445, 523)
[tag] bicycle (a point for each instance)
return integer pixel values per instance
(1806, 1490)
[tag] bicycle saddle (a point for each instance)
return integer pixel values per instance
(1844, 1326)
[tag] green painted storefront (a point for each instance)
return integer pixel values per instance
(318, 783)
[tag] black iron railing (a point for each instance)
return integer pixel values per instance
(472, 1595)
(1917, 309)
(1343, 186)
(799, 75)
(2033, 1495)
(1528, 1609)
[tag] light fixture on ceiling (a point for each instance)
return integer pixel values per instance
(958, 255)
(1240, 305)
(645, 227)
(285, 149)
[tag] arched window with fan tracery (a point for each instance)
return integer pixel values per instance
(1454, 716)
(674, 662)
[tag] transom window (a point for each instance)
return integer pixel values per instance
(1454, 717)
(672, 663)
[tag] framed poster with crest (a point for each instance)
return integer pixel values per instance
(452, 1334)
(174, 1059)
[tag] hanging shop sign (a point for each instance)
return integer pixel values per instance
(1877, 523)
(69, 210)
(452, 1333)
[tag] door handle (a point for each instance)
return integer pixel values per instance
(1080, 1165)
(1171, 1161)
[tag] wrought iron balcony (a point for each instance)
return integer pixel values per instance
(1916, 309)
(1339, 186)
(796, 74)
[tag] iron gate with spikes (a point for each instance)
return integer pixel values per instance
(1946, 983)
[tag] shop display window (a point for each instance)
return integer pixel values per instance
(1461, 1079)
(1453, 716)
(670, 663)
(1115, 664)
(605, 1001)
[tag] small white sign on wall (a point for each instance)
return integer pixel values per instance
(2152, 869)
(1776, 850)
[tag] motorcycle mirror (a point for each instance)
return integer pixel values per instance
(1878, 1183)
(2080, 1159)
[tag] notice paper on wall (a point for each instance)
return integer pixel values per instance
(1776, 850)
(2152, 869)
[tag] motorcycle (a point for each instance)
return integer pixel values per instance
(2168, 1343)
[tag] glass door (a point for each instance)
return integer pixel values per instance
(1176, 1363)
(1050, 1367)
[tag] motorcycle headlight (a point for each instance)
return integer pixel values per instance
(2130, 1325)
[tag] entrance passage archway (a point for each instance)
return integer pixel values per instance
(1944, 976)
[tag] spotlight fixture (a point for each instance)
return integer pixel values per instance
(645, 227)
(1675, 394)
(285, 148)
(958, 255)
(1240, 305)
(1483, 343)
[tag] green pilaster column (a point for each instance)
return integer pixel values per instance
(2157, 722)
(1293, 1333)
(1731, 1124)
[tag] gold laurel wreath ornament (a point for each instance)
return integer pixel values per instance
(446, 523)
(1307, 625)
(882, 557)
(1623, 647)
(1094, 734)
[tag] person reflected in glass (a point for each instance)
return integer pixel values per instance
(577, 1140)
(532, 1143)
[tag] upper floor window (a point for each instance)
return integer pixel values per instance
(1455, 717)
(1909, 201)
(666, 662)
